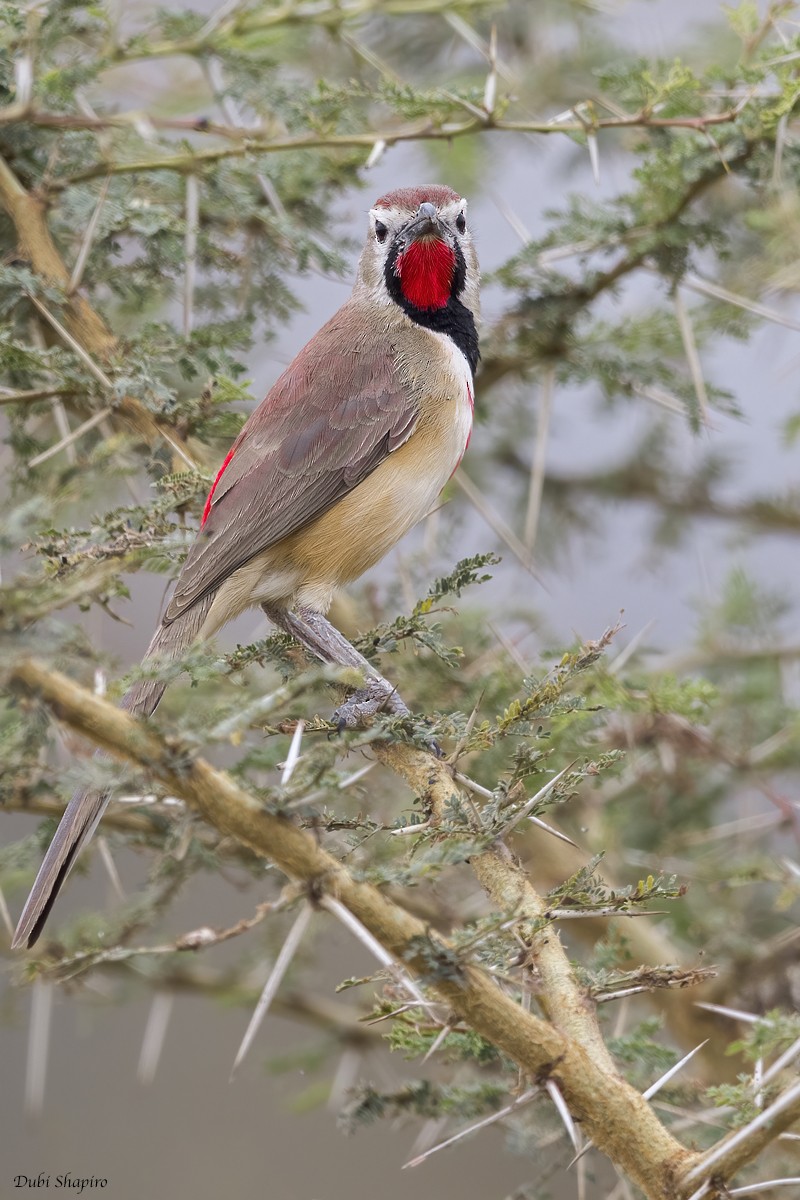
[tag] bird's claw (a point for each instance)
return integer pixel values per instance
(377, 696)
(366, 702)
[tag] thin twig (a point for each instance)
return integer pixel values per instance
(28, 395)
(422, 130)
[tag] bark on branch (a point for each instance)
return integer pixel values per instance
(81, 322)
(612, 1113)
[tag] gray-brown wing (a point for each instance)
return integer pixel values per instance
(329, 421)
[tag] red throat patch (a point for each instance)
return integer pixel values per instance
(426, 273)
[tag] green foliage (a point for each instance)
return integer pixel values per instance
(387, 637)
(640, 1050)
(655, 759)
(423, 1099)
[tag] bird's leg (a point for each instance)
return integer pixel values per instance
(316, 634)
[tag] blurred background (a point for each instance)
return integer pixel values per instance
(635, 455)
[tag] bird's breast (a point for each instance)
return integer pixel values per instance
(362, 527)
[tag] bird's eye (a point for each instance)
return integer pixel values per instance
(461, 223)
(380, 231)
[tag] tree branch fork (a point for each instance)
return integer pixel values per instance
(566, 1047)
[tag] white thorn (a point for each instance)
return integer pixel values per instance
(534, 800)
(554, 1092)
(23, 79)
(736, 1014)
(110, 866)
(376, 154)
(74, 345)
(594, 156)
(345, 1077)
(659, 1083)
(154, 1034)
(503, 1112)
(701, 1191)
(756, 1189)
(88, 239)
(287, 953)
(555, 832)
(436, 1043)
(351, 922)
(293, 757)
(692, 356)
(38, 1046)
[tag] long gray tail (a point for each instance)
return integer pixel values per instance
(87, 807)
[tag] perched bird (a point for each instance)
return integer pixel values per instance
(347, 452)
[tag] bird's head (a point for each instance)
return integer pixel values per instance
(419, 251)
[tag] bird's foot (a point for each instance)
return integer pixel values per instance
(377, 696)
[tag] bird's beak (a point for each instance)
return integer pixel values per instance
(426, 224)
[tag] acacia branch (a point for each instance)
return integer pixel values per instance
(239, 23)
(257, 135)
(248, 142)
(509, 889)
(613, 1114)
(82, 323)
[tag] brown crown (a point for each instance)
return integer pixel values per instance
(410, 198)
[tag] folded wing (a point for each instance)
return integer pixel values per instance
(329, 421)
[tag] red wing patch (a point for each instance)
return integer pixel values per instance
(210, 496)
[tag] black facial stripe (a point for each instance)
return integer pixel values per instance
(454, 319)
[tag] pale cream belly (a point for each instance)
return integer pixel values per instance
(364, 526)
(307, 567)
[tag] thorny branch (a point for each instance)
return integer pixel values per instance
(624, 1126)
(87, 330)
(248, 142)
